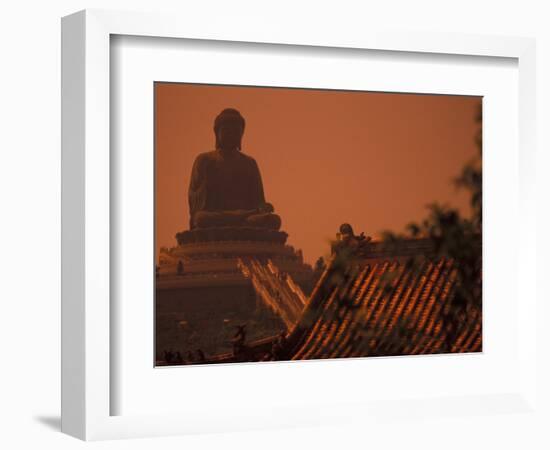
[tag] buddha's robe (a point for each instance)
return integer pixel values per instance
(226, 190)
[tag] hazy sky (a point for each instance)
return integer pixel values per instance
(374, 160)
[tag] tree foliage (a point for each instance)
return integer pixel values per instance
(457, 238)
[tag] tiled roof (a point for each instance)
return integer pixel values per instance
(384, 304)
(383, 307)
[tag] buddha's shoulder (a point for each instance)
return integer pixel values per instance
(249, 159)
(210, 155)
(214, 155)
(204, 160)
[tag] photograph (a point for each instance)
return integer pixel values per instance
(304, 224)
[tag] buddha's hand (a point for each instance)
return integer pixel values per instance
(240, 212)
(266, 208)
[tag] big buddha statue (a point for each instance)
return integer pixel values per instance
(226, 190)
(202, 278)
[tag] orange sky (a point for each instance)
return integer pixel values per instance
(326, 157)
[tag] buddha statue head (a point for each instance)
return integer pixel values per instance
(229, 128)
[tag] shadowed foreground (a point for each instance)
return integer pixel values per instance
(377, 302)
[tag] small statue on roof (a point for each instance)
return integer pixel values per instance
(239, 339)
(347, 239)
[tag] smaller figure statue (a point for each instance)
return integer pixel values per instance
(318, 269)
(346, 239)
(200, 355)
(278, 347)
(239, 339)
(180, 267)
(168, 356)
(320, 265)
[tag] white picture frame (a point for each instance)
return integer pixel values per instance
(87, 384)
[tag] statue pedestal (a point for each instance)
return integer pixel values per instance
(201, 307)
(225, 234)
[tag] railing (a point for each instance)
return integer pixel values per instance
(276, 289)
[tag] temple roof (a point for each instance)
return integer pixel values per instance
(384, 308)
(393, 302)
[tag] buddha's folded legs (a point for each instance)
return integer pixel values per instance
(208, 219)
(264, 220)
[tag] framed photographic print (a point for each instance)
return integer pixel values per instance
(271, 228)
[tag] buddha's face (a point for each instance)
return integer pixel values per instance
(230, 134)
